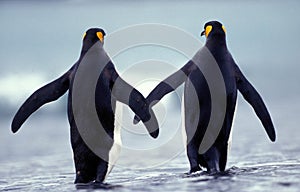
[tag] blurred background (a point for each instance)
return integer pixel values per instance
(40, 40)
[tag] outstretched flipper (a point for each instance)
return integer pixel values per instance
(45, 94)
(255, 100)
(128, 95)
(168, 85)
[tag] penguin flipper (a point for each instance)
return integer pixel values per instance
(45, 94)
(125, 93)
(168, 85)
(254, 99)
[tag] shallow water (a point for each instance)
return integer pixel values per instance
(39, 158)
(52, 174)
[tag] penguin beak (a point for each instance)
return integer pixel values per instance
(100, 36)
(202, 33)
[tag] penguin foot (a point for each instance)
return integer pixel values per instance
(96, 185)
(83, 185)
(100, 185)
(193, 170)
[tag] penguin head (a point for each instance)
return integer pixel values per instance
(93, 35)
(90, 37)
(213, 29)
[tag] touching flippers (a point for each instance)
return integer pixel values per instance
(128, 95)
(255, 100)
(45, 94)
(140, 107)
(168, 85)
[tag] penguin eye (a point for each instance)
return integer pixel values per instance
(100, 36)
(223, 28)
(84, 35)
(208, 30)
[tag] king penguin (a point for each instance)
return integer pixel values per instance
(90, 167)
(198, 103)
